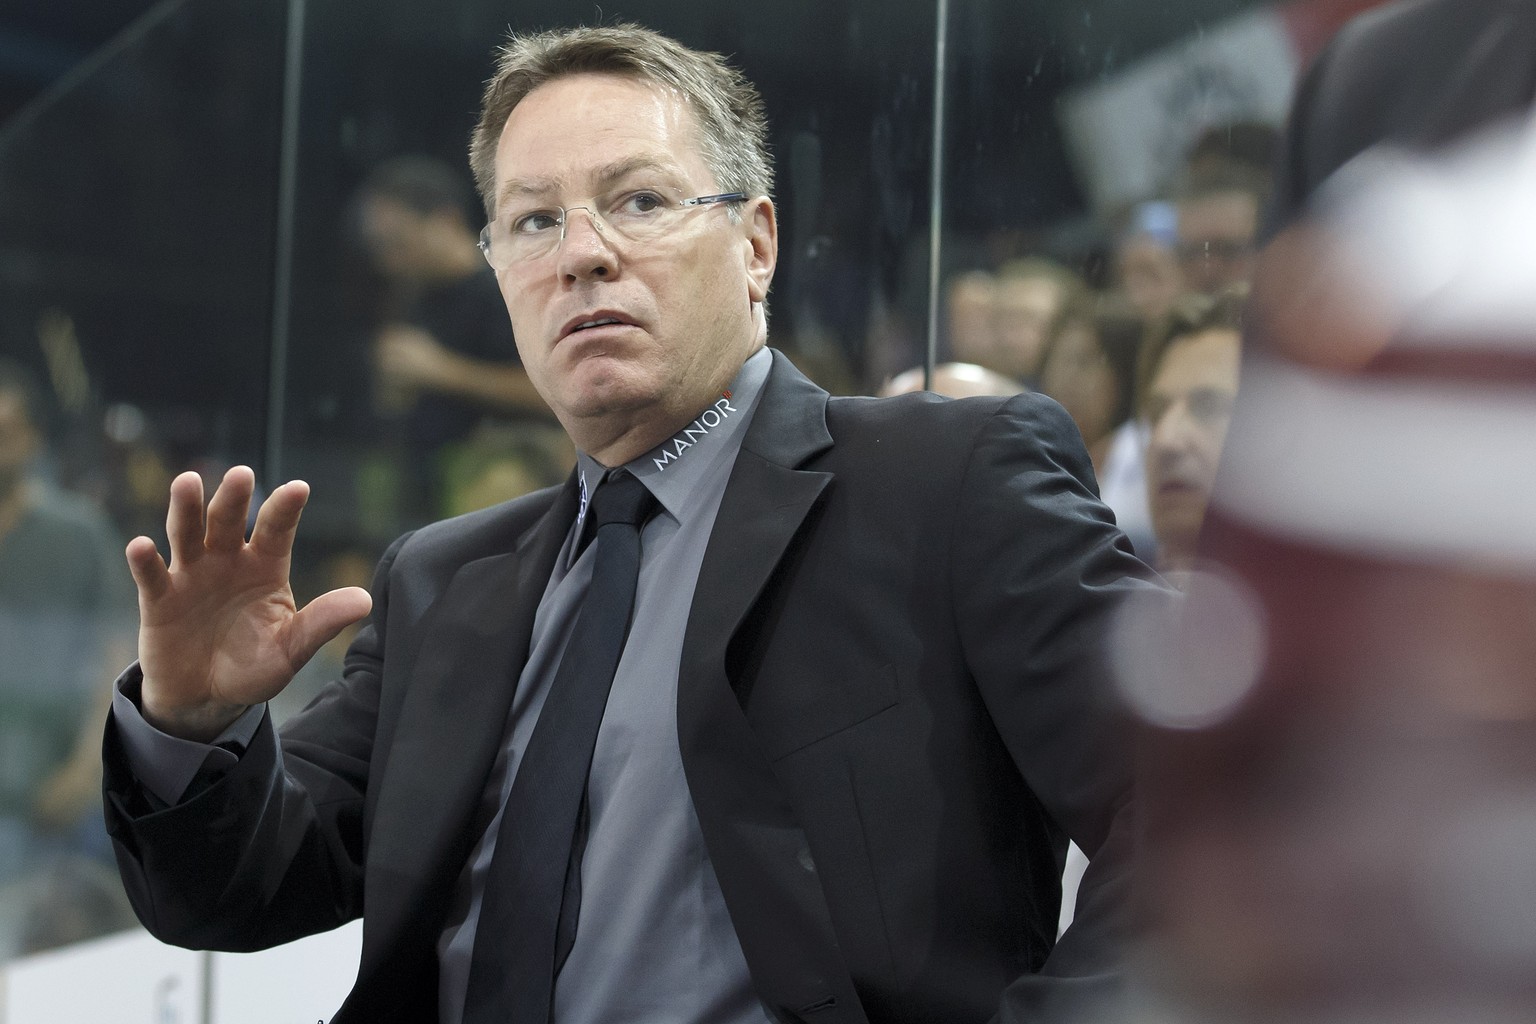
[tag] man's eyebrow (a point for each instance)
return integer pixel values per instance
(610, 174)
(603, 177)
(516, 188)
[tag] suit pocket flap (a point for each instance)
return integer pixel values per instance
(796, 717)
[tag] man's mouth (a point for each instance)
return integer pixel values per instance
(589, 322)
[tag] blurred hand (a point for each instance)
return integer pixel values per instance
(409, 357)
(64, 796)
(218, 629)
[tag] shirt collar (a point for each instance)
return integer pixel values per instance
(673, 469)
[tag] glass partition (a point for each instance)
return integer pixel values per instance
(137, 216)
(244, 232)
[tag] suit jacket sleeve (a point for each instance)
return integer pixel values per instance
(1039, 570)
(271, 850)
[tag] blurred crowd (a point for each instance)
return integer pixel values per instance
(1139, 343)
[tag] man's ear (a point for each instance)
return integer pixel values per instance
(762, 250)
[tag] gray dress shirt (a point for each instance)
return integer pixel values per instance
(654, 942)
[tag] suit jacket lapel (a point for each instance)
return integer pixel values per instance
(767, 499)
(475, 643)
(756, 845)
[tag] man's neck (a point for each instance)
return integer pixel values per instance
(613, 444)
(634, 441)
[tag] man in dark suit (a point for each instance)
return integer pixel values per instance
(855, 721)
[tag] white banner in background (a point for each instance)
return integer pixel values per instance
(1128, 133)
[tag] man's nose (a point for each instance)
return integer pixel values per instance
(1172, 430)
(569, 225)
(585, 247)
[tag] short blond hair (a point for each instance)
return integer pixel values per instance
(732, 125)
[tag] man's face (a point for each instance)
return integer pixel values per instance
(971, 330)
(1189, 406)
(1077, 374)
(1025, 308)
(1150, 275)
(1216, 236)
(408, 245)
(686, 307)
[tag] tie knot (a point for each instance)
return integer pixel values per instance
(621, 498)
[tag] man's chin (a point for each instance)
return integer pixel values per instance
(1178, 517)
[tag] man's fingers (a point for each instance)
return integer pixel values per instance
(228, 510)
(184, 519)
(321, 619)
(278, 520)
(148, 568)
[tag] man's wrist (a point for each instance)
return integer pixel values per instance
(201, 724)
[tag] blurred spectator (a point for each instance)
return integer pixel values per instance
(1218, 223)
(1027, 294)
(1146, 260)
(1249, 145)
(970, 298)
(1030, 294)
(1189, 374)
(1090, 368)
(443, 354)
(66, 611)
(953, 380)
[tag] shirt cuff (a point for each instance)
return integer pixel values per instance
(164, 764)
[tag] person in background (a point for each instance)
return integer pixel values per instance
(1218, 225)
(1090, 368)
(970, 298)
(444, 360)
(65, 611)
(1026, 295)
(1250, 146)
(437, 341)
(1146, 260)
(1189, 373)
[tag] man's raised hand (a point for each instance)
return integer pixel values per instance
(218, 629)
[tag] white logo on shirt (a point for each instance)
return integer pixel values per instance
(694, 432)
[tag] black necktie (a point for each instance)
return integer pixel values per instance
(523, 934)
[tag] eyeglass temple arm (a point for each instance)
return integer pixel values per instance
(723, 197)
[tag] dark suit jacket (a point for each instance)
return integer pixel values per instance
(1417, 74)
(888, 710)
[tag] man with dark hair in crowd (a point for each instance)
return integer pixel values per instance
(1189, 374)
(1218, 226)
(1031, 293)
(800, 735)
